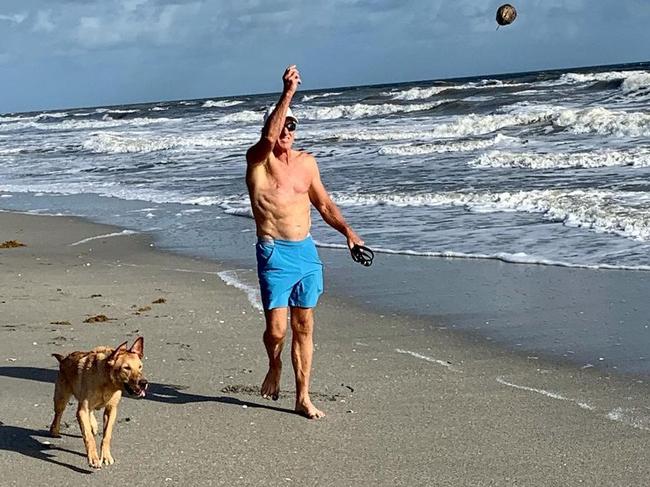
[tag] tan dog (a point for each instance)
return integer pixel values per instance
(96, 379)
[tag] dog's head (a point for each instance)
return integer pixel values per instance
(126, 367)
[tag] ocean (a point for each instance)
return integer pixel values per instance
(544, 168)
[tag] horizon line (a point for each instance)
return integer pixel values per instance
(342, 87)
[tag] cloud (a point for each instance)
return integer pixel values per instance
(139, 22)
(43, 21)
(15, 18)
(135, 49)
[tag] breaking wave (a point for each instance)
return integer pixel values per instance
(442, 147)
(221, 103)
(563, 160)
(116, 143)
(622, 213)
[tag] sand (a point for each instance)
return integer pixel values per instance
(407, 402)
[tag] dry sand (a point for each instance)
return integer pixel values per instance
(406, 403)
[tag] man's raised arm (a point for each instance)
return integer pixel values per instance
(260, 152)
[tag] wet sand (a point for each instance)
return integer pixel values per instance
(408, 401)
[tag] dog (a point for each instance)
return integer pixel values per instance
(97, 379)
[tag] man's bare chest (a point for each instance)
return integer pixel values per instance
(288, 179)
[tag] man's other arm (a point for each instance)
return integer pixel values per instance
(322, 201)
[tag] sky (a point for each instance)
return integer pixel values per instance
(74, 53)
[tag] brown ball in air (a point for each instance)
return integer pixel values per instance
(506, 14)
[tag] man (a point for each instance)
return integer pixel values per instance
(282, 184)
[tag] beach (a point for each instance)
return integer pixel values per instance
(458, 177)
(409, 400)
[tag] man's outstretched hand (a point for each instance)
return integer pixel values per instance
(291, 79)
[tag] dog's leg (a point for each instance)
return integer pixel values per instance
(83, 416)
(93, 423)
(110, 414)
(61, 397)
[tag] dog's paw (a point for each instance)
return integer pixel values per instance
(107, 459)
(94, 461)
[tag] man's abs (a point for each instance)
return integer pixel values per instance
(281, 216)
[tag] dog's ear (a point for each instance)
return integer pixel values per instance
(138, 347)
(119, 349)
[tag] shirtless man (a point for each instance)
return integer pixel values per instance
(283, 184)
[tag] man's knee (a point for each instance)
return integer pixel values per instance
(302, 322)
(274, 335)
(276, 327)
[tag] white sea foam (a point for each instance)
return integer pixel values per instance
(107, 235)
(245, 116)
(9, 152)
(634, 77)
(510, 258)
(442, 147)
(382, 134)
(417, 93)
(77, 125)
(473, 124)
(203, 201)
(549, 394)
(221, 103)
(321, 95)
(119, 143)
(630, 417)
(421, 93)
(10, 118)
(622, 213)
(639, 82)
(359, 110)
(247, 212)
(444, 363)
(159, 109)
(120, 111)
(111, 189)
(461, 126)
(55, 115)
(563, 160)
(604, 122)
(252, 293)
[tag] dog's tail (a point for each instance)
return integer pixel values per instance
(58, 356)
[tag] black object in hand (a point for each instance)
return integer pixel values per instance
(362, 254)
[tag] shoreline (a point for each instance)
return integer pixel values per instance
(393, 286)
(428, 405)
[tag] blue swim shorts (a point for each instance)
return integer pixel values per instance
(290, 273)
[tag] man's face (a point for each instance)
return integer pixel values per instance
(285, 140)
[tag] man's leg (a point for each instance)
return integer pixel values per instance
(276, 329)
(302, 350)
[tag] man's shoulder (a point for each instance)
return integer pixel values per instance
(304, 156)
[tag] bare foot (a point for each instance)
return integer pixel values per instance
(271, 384)
(307, 409)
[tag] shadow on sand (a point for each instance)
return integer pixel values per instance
(25, 442)
(165, 393)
